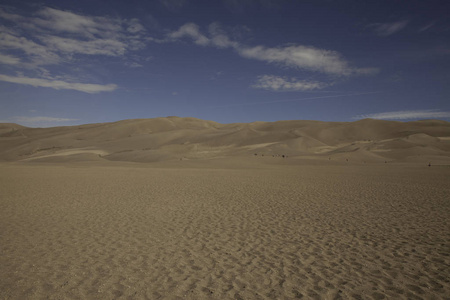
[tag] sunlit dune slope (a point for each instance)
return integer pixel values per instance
(174, 138)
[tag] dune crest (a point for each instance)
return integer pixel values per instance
(175, 138)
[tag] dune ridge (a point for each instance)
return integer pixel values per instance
(174, 138)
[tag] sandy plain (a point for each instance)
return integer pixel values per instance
(182, 208)
(236, 229)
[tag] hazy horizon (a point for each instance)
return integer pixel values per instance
(257, 121)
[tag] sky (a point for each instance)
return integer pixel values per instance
(90, 61)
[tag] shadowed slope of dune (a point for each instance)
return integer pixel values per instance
(174, 138)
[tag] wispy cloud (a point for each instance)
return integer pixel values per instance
(219, 37)
(407, 114)
(276, 83)
(294, 56)
(69, 22)
(33, 54)
(386, 29)
(51, 37)
(305, 57)
(426, 27)
(110, 47)
(9, 59)
(193, 31)
(59, 84)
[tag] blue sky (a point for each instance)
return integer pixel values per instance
(75, 62)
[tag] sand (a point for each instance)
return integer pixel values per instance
(174, 138)
(182, 208)
(224, 229)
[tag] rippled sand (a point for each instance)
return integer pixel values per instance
(124, 231)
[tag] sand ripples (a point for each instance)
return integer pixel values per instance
(282, 233)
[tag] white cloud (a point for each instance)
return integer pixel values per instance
(219, 37)
(407, 114)
(296, 56)
(59, 84)
(304, 57)
(52, 37)
(8, 59)
(386, 29)
(8, 16)
(193, 31)
(53, 33)
(93, 47)
(35, 54)
(276, 83)
(87, 26)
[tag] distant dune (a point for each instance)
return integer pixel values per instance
(174, 138)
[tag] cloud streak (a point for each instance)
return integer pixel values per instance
(426, 27)
(9, 59)
(294, 56)
(276, 83)
(59, 84)
(387, 29)
(108, 47)
(407, 114)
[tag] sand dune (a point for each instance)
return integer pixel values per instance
(181, 208)
(173, 138)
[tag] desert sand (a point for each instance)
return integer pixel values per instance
(353, 211)
(174, 138)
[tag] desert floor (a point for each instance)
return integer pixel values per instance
(224, 231)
